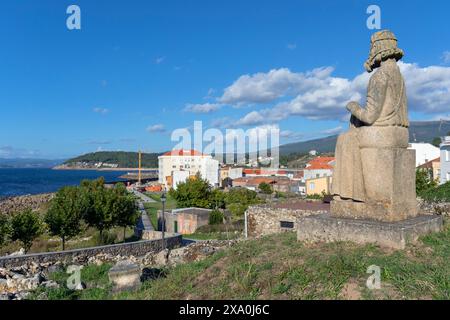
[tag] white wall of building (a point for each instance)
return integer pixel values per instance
(210, 171)
(234, 173)
(316, 173)
(424, 152)
(192, 164)
(445, 160)
(179, 177)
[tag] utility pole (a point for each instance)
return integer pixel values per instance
(139, 169)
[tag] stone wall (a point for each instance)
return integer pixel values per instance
(82, 256)
(269, 219)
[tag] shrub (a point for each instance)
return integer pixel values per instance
(215, 217)
(424, 182)
(265, 188)
(4, 228)
(439, 194)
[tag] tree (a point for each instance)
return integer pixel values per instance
(124, 210)
(64, 215)
(4, 228)
(217, 199)
(424, 182)
(215, 217)
(25, 227)
(265, 188)
(237, 200)
(193, 193)
(436, 142)
(96, 204)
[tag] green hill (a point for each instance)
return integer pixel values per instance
(120, 158)
(419, 131)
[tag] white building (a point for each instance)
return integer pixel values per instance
(189, 161)
(179, 176)
(424, 152)
(445, 160)
(319, 167)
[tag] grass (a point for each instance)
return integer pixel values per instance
(279, 267)
(152, 208)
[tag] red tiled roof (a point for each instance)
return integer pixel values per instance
(429, 163)
(319, 166)
(191, 152)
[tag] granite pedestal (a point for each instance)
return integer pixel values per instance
(327, 228)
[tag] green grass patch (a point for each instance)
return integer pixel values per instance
(279, 267)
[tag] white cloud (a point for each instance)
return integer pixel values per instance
(446, 56)
(156, 128)
(101, 110)
(9, 152)
(332, 131)
(160, 60)
(251, 119)
(202, 108)
(288, 134)
(320, 95)
(291, 46)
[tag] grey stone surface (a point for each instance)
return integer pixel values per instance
(125, 275)
(266, 219)
(326, 228)
(374, 176)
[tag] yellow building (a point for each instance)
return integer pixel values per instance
(318, 186)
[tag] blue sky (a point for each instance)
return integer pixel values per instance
(139, 69)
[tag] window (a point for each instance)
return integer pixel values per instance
(311, 185)
(447, 155)
(287, 224)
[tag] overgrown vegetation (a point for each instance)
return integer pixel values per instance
(123, 159)
(265, 188)
(216, 217)
(438, 194)
(279, 267)
(424, 182)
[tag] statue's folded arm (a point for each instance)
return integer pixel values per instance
(376, 95)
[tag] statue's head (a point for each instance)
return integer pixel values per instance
(383, 47)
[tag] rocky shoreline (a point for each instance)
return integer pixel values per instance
(11, 205)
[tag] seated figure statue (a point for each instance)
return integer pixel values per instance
(374, 175)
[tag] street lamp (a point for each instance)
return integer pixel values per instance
(163, 222)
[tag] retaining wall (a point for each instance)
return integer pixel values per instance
(81, 256)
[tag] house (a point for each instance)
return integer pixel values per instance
(445, 160)
(424, 152)
(230, 172)
(252, 183)
(433, 167)
(319, 167)
(186, 220)
(189, 161)
(318, 185)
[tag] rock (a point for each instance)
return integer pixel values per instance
(50, 284)
(152, 274)
(125, 275)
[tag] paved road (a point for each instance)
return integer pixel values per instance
(143, 197)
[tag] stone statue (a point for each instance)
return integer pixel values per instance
(374, 175)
